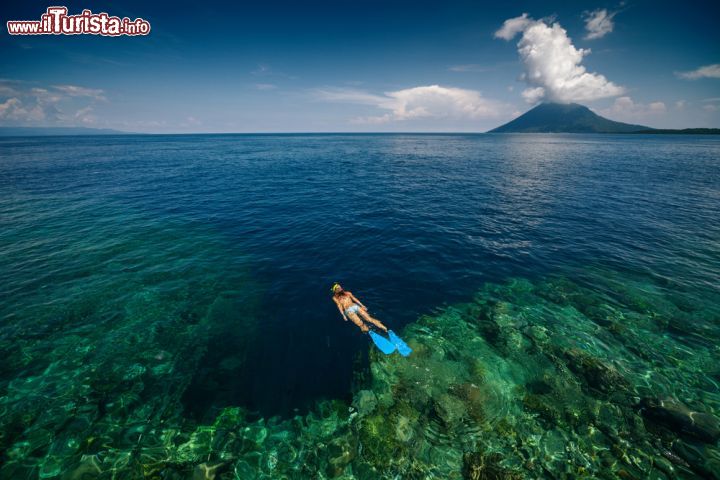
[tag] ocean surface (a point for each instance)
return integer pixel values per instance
(165, 307)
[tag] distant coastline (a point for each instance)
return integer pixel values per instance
(78, 131)
(683, 131)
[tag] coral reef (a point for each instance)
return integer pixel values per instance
(528, 380)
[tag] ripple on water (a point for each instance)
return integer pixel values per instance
(164, 305)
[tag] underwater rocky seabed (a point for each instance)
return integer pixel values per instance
(607, 376)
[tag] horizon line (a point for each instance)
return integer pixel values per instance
(111, 131)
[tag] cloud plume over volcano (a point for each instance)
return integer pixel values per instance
(553, 66)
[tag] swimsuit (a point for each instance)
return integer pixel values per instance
(354, 308)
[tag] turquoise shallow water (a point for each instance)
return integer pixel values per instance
(165, 311)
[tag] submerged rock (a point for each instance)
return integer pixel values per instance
(480, 466)
(376, 437)
(88, 468)
(702, 459)
(403, 429)
(365, 402)
(675, 415)
(340, 454)
(474, 399)
(597, 374)
(449, 409)
(543, 407)
(538, 334)
(206, 471)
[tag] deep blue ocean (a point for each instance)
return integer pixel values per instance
(218, 251)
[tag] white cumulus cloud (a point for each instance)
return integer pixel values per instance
(26, 104)
(12, 109)
(432, 101)
(349, 95)
(708, 71)
(626, 109)
(75, 91)
(513, 26)
(553, 66)
(598, 23)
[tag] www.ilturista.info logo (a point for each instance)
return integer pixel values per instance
(56, 21)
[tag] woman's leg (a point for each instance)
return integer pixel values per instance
(356, 320)
(372, 320)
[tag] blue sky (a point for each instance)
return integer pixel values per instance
(364, 66)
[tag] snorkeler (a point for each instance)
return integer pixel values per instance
(350, 306)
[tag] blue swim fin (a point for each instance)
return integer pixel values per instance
(402, 347)
(382, 343)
